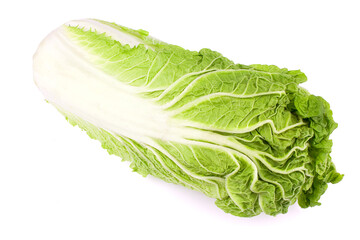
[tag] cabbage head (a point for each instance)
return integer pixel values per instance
(247, 135)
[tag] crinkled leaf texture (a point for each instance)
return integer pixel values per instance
(248, 136)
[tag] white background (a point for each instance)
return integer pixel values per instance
(56, 183)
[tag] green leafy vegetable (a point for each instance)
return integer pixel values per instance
(248, 136)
